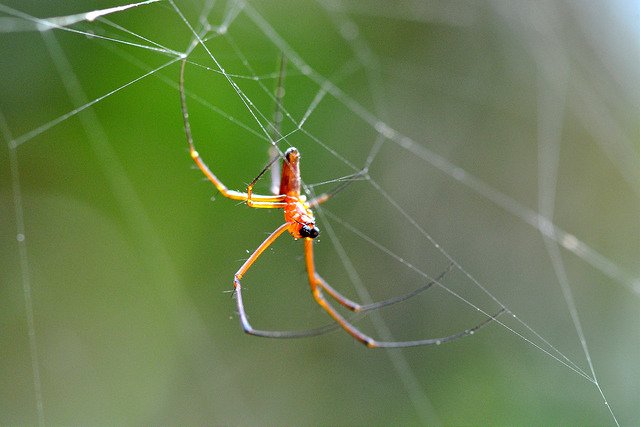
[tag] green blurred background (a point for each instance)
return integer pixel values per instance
(129, 261)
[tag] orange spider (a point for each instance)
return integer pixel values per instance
(301, 224)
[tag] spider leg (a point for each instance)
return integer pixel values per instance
(277, 125)
(404, 297)
(318, 284)
(258, 201)
(355, 306)
(244, 321)
(253, 200)
(363, 308)
(316, 201)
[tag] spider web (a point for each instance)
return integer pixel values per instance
(498, 139)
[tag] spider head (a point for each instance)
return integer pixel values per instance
(310, 231)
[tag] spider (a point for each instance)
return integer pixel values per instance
(300, 222)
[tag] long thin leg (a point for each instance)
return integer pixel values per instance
(244, 321)
(260, 201)
(316, 201)
(316, 289)
(277, 125)
(279, 199)
(362, 308)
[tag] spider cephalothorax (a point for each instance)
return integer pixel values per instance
(310, 231)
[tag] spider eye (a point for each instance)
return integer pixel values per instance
(312, 232)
